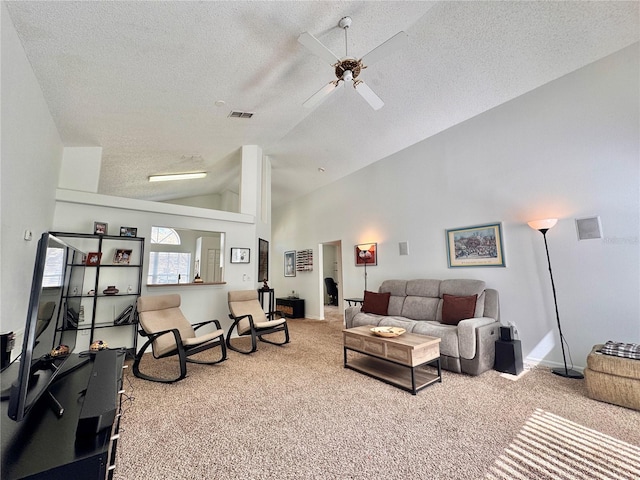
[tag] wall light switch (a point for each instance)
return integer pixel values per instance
(28, 235)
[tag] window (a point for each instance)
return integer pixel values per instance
(165, 236)
(169, 267)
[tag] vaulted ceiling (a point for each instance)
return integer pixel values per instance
(153, 83)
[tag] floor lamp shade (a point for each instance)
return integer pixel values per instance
(543, 227)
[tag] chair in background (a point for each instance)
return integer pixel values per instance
(332, 290)
(250, 319)
(170, 333)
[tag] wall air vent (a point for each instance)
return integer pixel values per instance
(235, 114)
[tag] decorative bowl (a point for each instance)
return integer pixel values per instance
(110, 290)
(387, 331)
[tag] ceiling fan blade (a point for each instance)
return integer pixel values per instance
(321, 94)
(317, 48)
(398, 41)
(368, 94)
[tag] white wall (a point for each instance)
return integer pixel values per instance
(199, 302)
(31, 155)
(568, 149)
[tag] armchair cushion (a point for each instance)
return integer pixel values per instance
(166, 315)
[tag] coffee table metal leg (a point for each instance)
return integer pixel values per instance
(413, 381)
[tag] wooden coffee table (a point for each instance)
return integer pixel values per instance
(393, 360)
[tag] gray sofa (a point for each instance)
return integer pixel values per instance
(416, 305)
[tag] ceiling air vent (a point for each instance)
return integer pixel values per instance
(235, 114)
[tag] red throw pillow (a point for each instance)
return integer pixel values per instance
(377, 303)
(455, 308)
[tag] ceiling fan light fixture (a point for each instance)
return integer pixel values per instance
(176, 176)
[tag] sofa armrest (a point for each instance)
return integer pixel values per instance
(467, 335)
(349, 313)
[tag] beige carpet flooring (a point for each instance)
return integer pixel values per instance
(295, 412)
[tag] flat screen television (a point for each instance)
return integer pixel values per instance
(52, 320)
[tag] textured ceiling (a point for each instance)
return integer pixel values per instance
(141, 79)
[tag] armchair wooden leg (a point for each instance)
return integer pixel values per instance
(254, 345)
(144, 376)
(272, 342)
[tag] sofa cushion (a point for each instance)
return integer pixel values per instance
(361, 319)
(401, 322)
(397, 289)
(377, 303)
(462, 287)
(420, 308)
(456, 308)
(423, 288)
(448, 335)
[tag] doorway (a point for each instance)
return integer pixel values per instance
(331, 269)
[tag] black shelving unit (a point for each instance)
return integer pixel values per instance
(105, 273)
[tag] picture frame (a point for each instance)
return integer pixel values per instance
(122, 256)
(263, 260)
(366, 254)
(290, 263)
(240, 255)
(100, 228)
(128, 232)
(93, 258)
(476, 246)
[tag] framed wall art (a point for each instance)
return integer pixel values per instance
(263, 260)
(366, 254)
(290, 263)
(240, 255)
(478, 246)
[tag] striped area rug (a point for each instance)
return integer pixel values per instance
(551, 447)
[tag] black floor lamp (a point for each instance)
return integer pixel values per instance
(366, 256)
(543, 226)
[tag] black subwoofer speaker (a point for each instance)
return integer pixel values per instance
(509, 357)
(506, 333)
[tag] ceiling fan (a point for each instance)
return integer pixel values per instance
(347, 69)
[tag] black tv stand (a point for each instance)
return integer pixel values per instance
(54, 404)
(45, 446)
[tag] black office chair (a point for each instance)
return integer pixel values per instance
(332, 290)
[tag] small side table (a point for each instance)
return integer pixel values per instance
(272, 300)
(291, 307)
(354, 300)
(509, 357)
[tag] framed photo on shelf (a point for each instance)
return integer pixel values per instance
(128, 232)
(240, 255)
(122, 256)
(290, 263)
(93, 258)
(100, 228)
(478, 246)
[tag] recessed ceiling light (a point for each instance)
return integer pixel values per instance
(220, 103)
(176, 176)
